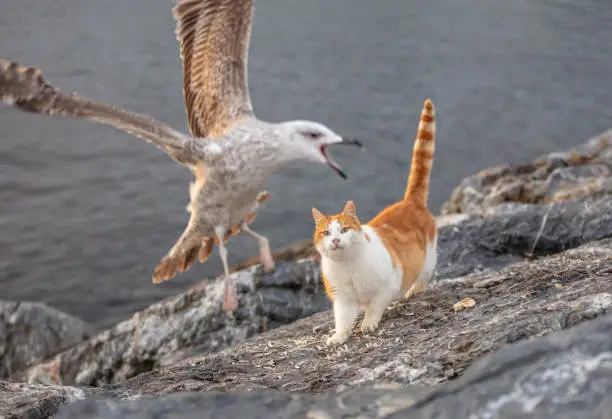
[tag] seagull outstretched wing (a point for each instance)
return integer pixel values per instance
(214, 42)
(25, 88)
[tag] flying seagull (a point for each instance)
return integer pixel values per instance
(230, 152)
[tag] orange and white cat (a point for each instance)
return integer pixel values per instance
(394, 255)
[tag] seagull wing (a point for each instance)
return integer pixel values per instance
(214, 42)
(25, 88)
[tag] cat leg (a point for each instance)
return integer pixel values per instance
(345, 314)
(230, 297)
(417, 287)
(376, 308)
(427, 271)
(265, 255)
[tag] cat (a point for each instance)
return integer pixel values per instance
(394, 255)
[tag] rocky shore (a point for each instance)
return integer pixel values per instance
(530, 244)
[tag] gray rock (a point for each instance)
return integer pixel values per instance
(370, 401)
(18, 400)
(573, 175)
(190, 323)
(510, 233)
(32, 332)
(564, 375)
(405, 368)
(193, 323)
(421, 341)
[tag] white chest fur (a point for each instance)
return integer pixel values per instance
(359, 272)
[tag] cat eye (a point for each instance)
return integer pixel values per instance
(326, 233)
(345, 229)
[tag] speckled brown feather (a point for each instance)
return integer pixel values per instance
(214, 37)
(25, 88)
(214, 41)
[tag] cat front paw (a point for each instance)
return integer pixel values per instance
(368, 326)
(338, 338)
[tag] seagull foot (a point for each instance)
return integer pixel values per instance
(265, 256)
(230, 297)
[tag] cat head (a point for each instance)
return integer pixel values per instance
(335, 234)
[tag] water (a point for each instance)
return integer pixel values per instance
(86, 211)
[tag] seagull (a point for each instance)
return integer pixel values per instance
(230, 152)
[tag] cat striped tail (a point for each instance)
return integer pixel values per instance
(422, 155)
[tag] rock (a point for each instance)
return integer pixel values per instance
(408, 368)
(32, 332)
(564, 375)
(573, 175)
(18, 400)
(421, 340)
(510, 233)
(189, 323)
(193, 322)
(365, 402)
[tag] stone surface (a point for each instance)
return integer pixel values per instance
(18, 400)
(403, 370)
(32, 332)
(194, 323)
(371, 401)
(572, 175)
(509, 233)
(189, 323)
(421, 341)
(564, 375)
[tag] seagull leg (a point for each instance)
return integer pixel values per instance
(230, 297)
(265, 255)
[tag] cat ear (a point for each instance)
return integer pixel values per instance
(349, 209)
(317, 215)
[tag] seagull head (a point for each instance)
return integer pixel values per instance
(310, 141)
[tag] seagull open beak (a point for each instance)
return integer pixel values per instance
(335, 166)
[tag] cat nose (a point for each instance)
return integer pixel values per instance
(335, 241)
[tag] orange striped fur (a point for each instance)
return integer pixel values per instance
(399, 241)
(422, 155)
(407, 226)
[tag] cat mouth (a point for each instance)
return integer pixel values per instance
(331, 163)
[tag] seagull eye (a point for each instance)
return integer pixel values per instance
(312, 135)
